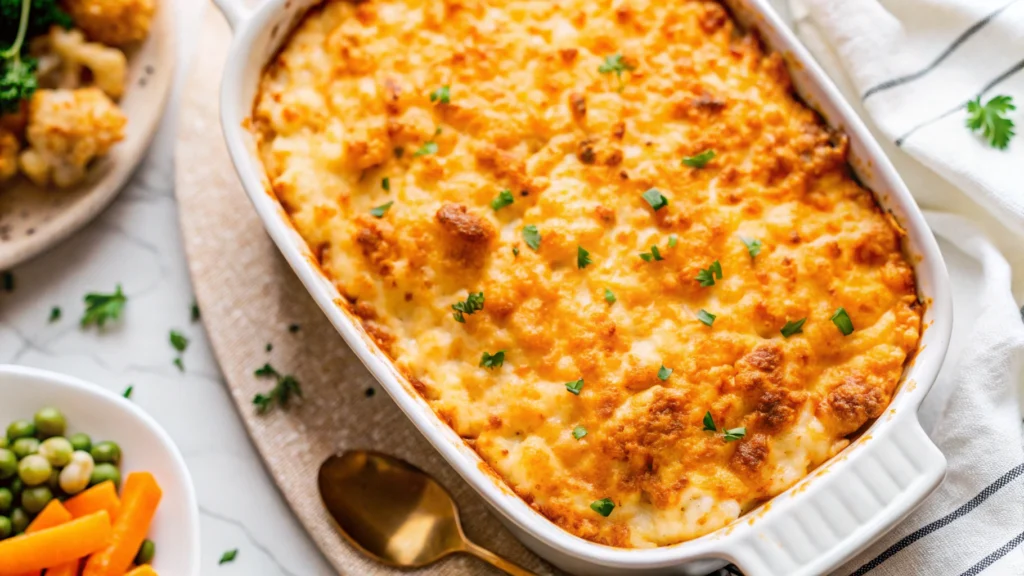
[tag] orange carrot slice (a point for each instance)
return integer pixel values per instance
(139, 501)
(66, 569)
(144, 570)
(102, 496)
(54, 546)
(54, 514)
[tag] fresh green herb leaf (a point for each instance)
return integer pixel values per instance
(655, 198)
(505, 198)
(195, 311)
(99, 308)
(427, 148)
(442, 95)
(179, 363)
(575, 386)
(179, 341)
(609, 296)
(615, 64)
(266, 370)
(604, 506)
(385, 183)
(228, 556)
(582, 258)
(579, 432)
(842, 321)
(700, 160)
(55, 313)
(708, 277)
(753, 246)
(532, 237)
(381, 210)
(652, 256)
(734, 434)
(281, 394)
(709, 422)
(128, 391)
(792, 328)
(664, 373)
(672, 241)
(262, 402)
(473, 303)
(515, 251)
(706, 317)
(492, 361)
(990, 118)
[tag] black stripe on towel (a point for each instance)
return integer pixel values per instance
(995, 82)
(945, 54)
(941, 522)
(991, 558)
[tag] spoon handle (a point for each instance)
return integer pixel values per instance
(496, 561)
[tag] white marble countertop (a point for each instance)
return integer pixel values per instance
(137, 243)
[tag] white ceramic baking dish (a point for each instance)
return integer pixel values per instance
(826, 518)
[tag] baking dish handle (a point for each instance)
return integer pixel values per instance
(236, 11)
(838, 512)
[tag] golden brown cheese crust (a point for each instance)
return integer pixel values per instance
(530, 112)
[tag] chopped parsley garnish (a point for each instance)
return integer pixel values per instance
(609, 296)
(604, 506)
(673, 240)
(700, 160)
(442, 95)
(228, 556)
(991, 119)
(656, 199)
(842, 321)
(178, 340)
(427, 148)
(55, 313)
(266, 370)
(708, 277)
(492, 361)
(505, 198)
(473, 303)
(515, 251)
(574, 386)
(706, 317)
(179, 363)
(753, 246)
(664, 373)
(653, 255)
(128, 391)
(385, 183)
(709, 422)
(615, 64)
(381, 210)
(734, 434)
(532, 237)
(281, 393)
(793, 327)
(582, 258)
(99, 308)
(579, 432)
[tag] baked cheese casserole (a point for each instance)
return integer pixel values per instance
(602, 239)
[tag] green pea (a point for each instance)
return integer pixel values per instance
(57, 450)
(16, 487)
(20, 429)
(146, 552)
(5, 527)
(49, 422)
(34, 470)
(25, 446)
(103, 472)
(19, 520)
(8, 464)
(106, 451)
(81, 441)
(53, 482)
(34, 499)
(6, 500)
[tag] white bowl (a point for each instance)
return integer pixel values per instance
(144, 446)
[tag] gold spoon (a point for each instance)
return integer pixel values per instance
(396, 512)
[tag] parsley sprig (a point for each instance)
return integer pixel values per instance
(442, 95)
(616, 64)
(582, 258)
(707, 277)
(505, 198)
(656, 199)
(990, 118)
(281, 394)
(493, 361)
(729, 435)
(99, 308)
(473, 303)
(653, 256)
(753, 246)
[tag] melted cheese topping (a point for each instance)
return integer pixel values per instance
(347, 105)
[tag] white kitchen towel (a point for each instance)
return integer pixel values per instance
(911, 66)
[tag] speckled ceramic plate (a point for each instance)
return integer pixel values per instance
(33, 219)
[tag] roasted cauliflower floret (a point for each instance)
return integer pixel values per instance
(9, 147)
(109, 66)
(113, 22)
(67, 129)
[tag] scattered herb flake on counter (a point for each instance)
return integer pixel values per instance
(655, 198)
(266, 370)
(427, 148)
(991, 119)
(128, 391)
(706, 317)
(575, 386)
(708, 277)
(381, 210)
(652, 256)
(709, 422)
(195, 311)
(179, 363)
(532, 237)
(792, 328)
(178, 340)
(664, 373)
(734, 434)
(269, 347)
(492, 361)
(370, 392)
(473, 303)
(579, 432)
(386, 184)
(286, 387)
(604, 506)
(55, 313)
(505, 198)
(753, 246)
(842, 321)
(228, 556)
(672, 241)
(582, 258)
(293, 328)
(609, 296)
(99, 308)
(700, 160)
(442, 95)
